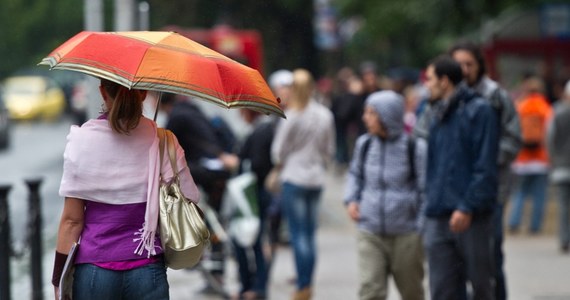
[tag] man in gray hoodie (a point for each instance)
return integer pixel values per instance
(384, 195)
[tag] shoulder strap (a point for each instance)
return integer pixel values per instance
(171, 151)
(412, 157)
(160, 132)
(363, 153)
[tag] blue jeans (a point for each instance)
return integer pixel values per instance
(300, 206)
(564, 213)
(253, 271)
(146, 282)
(529, 185)
(455, 258)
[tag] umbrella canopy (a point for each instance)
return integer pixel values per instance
(165, 62)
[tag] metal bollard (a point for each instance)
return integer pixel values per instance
(35, 237)
(5, 244)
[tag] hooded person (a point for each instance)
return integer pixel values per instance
(384, 196)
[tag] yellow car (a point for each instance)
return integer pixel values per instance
(33, 97)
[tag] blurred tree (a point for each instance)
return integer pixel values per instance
(410, 32)
(407, 32)
(29, 30)
(285, 25)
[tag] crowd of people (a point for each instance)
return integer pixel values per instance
(431, 163)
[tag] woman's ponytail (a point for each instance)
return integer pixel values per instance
(126, 110)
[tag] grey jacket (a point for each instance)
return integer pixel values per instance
(558, 143)
(510, 141)
(390, 203)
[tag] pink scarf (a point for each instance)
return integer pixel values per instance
(103, 166)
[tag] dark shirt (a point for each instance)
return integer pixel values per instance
(197, 137)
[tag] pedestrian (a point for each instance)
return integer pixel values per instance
(558, 144)
(470, 57)
(369, 83)
(256, 149)
(302, 147)
(461, 186)
(531, 165)
(106, 176)
(347, 110)
(280, 82)
(211, 166)
(384, 195)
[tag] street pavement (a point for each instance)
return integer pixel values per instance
(535, 268)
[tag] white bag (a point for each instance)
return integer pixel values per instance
(244, 225)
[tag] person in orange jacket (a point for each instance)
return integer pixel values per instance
(531, 165)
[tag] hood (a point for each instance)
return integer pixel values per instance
(390, 107)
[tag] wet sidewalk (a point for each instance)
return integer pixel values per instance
(535, 268)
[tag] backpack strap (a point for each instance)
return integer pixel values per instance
(363, 153)
(412, 157)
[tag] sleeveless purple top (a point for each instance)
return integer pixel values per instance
(110, 234)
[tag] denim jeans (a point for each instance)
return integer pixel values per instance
(533, 185)
(564, 213)
(300, 206)
(146, 282)
(454, 258)
(253, 269)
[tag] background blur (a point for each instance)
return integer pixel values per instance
(518, 37)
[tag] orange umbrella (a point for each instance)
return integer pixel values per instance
(165, 62)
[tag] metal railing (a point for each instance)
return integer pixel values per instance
(33, 239)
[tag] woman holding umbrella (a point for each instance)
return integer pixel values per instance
(110, 185)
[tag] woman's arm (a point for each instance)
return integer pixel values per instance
(70, 225)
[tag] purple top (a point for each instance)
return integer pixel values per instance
(110, 234)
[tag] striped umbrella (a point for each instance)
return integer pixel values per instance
(165, 62)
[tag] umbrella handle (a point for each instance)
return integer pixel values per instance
(157, 104)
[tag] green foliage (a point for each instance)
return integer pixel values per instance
(410, 32)
(403, 32)
(29, 30)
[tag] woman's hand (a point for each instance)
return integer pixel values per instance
(353, 211)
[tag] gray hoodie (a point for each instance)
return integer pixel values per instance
(390, 203)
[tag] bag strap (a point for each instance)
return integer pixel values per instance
(171, 152)
(161, 133)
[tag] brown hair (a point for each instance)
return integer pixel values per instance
(126, 111)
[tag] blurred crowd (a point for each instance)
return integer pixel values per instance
(432, 159)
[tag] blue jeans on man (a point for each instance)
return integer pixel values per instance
(455, 258)
(300, 205)
(533, 185)
(253, 275)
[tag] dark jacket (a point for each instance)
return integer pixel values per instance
(257, 148)
(462, 156)
(198, 138)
